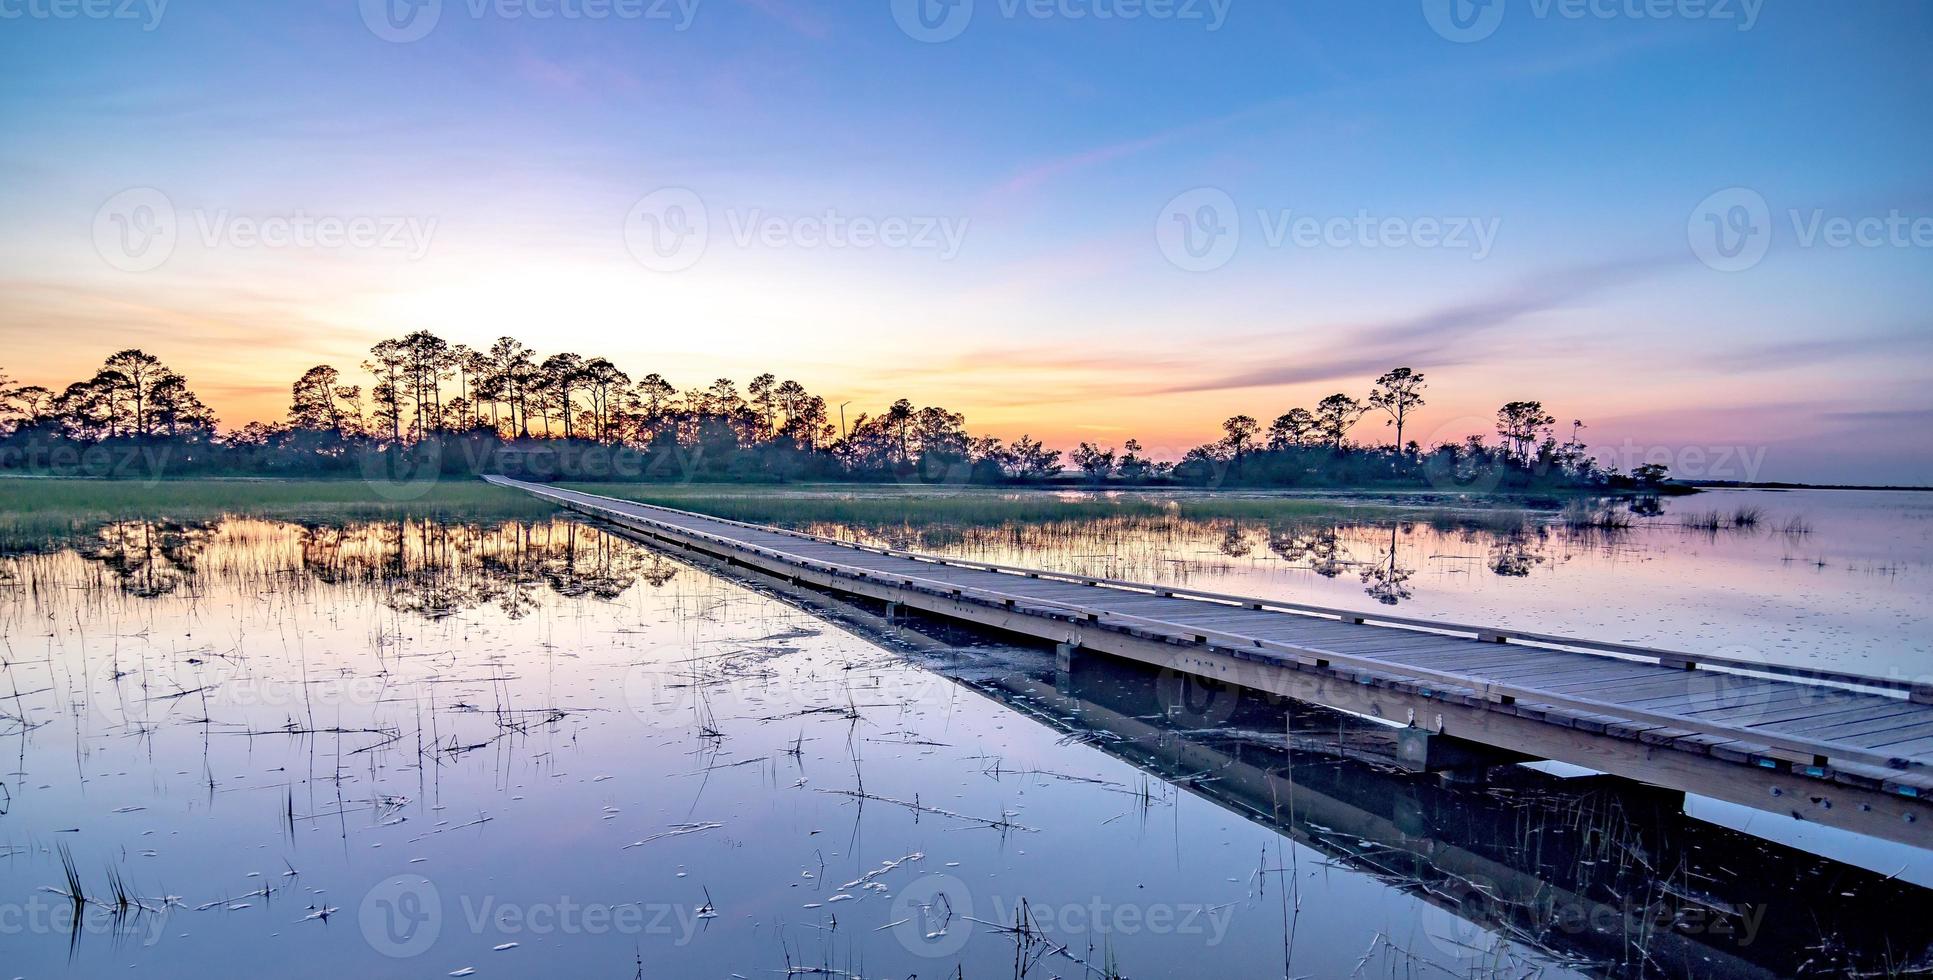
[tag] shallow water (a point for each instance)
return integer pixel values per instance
(536, 748)
(1825, 578)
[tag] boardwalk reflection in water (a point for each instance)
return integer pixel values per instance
(282, 738)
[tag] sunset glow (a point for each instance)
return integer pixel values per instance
(499, 161)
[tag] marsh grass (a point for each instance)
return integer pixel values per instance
(1580, 515)
(1713, 521)
(877, 507)
(1710, 520)
(34, 509)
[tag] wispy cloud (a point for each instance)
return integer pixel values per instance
(1436, 337)
(1804, 353)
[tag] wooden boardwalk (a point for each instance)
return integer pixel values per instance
(1818, 745)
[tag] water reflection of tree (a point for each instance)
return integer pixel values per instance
(1387, 578)
(1514, 555)
(423, 567)
(148, 558)
(590, 563)
(1318, 548)
(1234, 543)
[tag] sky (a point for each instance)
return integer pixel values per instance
(1702, 227)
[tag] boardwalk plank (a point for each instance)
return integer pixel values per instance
(1698, 711)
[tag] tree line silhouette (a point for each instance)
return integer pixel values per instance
(424, 402)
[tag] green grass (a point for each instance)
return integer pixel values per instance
(879, 506)
(33, 505)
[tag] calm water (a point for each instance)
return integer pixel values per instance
(414, 749)
(1825, 577)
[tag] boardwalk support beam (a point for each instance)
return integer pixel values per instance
(1423, 751)
(1650, 723)
(1064, 655)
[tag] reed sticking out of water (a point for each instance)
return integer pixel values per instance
(1796, 526)
(1579, 515)
(1712, 521)
(73, 872)
(1715, 520)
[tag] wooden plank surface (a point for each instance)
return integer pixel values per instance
(1645, 699)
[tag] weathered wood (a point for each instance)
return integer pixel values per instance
(1577, 706)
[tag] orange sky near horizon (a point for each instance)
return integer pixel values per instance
(1526, 219)
(1170, 398)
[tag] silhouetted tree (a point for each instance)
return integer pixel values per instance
(1095, 462)
(387, 360)
(1292, 429)
(1521, 425)
(1398, 393)
(1238, 434)
(1335, 416)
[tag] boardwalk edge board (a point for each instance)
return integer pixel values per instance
(1878, 789)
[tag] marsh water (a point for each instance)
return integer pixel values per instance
(1816, 577)
(477, 745)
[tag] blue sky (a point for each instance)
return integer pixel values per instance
(1054, 143)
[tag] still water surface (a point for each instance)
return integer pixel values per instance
(415, 748)
(1824, 577)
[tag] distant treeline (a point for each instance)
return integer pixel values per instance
(426, 407)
